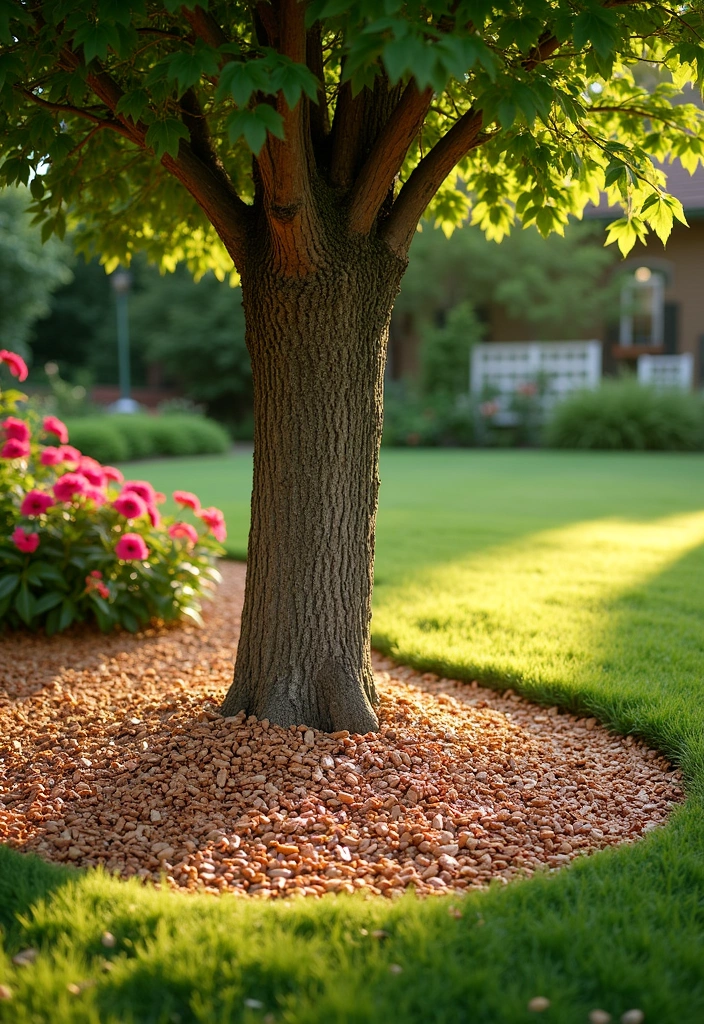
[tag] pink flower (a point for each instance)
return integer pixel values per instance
(70, 484)
(179, 530)
(188, 500)
(153, 513)
(53, 425)
(529, 389)
(93, 582)
(131, 547)
(15, 449)
(215, 521)
(113, 474)
(130, 505)
(70, 454)
(15, 364)
(25, 542)
(141, 487)
(15, 428)
(35, 503)
(159, 498)
(96, 494)
(51, 456)
(91, 470)
(488, 409)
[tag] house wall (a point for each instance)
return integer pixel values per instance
(681, 261)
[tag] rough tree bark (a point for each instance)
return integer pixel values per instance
(318, 349)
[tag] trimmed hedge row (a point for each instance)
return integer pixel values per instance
(624, 415)
(124, 438)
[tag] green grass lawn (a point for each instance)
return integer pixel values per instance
(576, 578)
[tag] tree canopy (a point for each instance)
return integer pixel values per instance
(139, 119)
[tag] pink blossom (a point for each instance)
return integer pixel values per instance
(130, 505)
(488, 409)
(113, 474)
(15, 428)
(15, 449)
(51, 456)
(215, 521)
(25, 542)
(96, 494)
(529, 389)
(141, 487)
(159, 498)
(185, 530)
(153, 513)
(131, 547)
(53, 425)
(188, 500)
(15, 364)
(70, 484)
(93, 582)
(91, 470)
(35, 503)
(70, 454)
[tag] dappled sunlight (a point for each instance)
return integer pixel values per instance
(540, 608)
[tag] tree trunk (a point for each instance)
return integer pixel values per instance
(318, 348)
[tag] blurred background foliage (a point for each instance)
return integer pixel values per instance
(189, 337)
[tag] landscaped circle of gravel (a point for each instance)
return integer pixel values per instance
(113, 754)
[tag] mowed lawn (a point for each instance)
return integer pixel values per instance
(575, 578)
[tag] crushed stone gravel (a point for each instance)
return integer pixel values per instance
(113, 753)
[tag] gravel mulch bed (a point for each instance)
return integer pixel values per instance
(112, 753)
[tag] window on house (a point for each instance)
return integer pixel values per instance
(642, 308)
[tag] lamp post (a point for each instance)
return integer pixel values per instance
(121, 283)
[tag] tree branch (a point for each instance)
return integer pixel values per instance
(205, 26)
(65, 108)
(386, 157)
(427, 178)
(286, 166)
(207, 183)
(318, 112)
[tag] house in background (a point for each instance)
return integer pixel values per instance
(661, 309)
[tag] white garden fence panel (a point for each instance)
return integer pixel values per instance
(667, 371)
(500, 368)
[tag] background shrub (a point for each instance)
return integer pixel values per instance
(122, 438)
(625, 415)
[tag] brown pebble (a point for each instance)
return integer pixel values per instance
(538, 1003)
(74, 989)
(599, 1017)
(634, 1016)
(108, 940)
(5, 992)
(395, 969)
(149, 781)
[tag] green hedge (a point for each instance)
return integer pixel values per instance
(123, 438)
(626, 415)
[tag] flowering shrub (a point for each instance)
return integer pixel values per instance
(77, 543)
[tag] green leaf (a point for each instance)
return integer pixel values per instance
(129, 621)
(9, 583)
(163, 136)
(252, 126)
(96, 38)
(597, 26)
(292, 79)
(25, 604)
(47, 601)
(242, 80)
(189, 68)
(52, 621)
(67, 614)
(133, 104)
(38, 571)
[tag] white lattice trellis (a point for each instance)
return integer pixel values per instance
(502, 367)
(667, 371)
